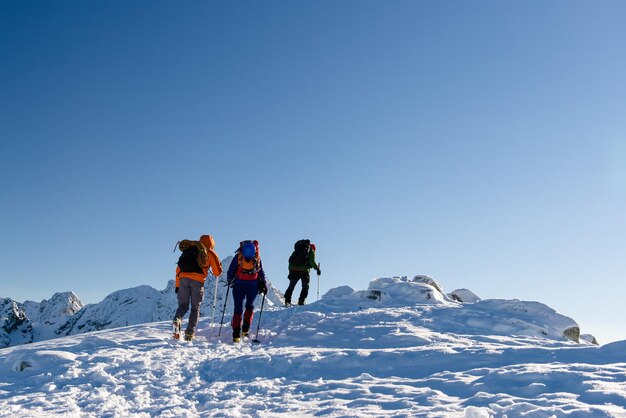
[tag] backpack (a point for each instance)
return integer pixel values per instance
(248, 269)
(194, 256)
(300, 254)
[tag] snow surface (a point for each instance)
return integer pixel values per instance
(64, 314)
(402, 348)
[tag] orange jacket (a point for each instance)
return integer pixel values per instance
(213, 262)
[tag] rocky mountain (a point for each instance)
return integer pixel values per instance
(64, 314)
(49, 317)
(15, 327)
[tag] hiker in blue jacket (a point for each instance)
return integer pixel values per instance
(247, 278)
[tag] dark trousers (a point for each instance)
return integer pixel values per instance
(244, 289)
(293, 277)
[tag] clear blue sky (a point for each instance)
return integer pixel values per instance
(481, 143)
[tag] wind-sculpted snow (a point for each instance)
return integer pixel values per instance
(314, 362)
(492, 316)
(354, 354)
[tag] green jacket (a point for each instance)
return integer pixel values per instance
(310, 263)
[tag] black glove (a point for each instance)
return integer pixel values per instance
(263, 288)
(176, 290)
(319, 272)
(230, 282)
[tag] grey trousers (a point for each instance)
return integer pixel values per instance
(189, 290)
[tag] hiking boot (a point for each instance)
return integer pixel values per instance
(300, 303)
(176, 326)
(236, 333)
(189, 335)
(245, 329)
(287, 303)
(236, 340)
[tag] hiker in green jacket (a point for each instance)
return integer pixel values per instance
(301, 261)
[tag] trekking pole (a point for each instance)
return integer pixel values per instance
(256, 340)
(224, 310)
(217, 279)
(318, 281)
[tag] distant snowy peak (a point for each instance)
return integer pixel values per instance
(143, 304)
(15, 328)
(49, 311)
(49, 318)
(119, 309)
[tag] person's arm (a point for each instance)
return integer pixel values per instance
(261, 271)
(232, 269)
(311, 260)
(177, 278)
(262, 280)
(215, 263)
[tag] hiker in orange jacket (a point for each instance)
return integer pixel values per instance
(190, 285)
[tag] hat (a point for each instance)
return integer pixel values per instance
(208, 241)
(248, 250)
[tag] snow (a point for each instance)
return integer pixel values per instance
(400, 348)
(49, 316)
(14, 325)
(64, 314)
(464, 296)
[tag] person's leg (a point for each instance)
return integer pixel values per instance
(239, 294)
(305, 287)
(293, 280)
(197, 296)
(183, 295)
(252, 289)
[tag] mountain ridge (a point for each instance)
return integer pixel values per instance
(64, 314)
(401, 347)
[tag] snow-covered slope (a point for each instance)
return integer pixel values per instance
(64, 314)
(502, 317)
(145, 304)
(399, 348)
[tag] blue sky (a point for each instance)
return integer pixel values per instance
(482, 143)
